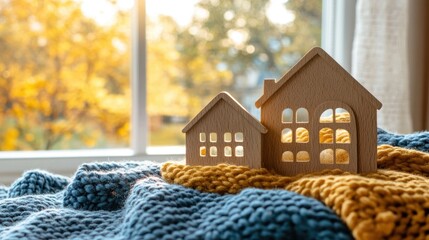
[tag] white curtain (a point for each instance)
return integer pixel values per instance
(380, 59)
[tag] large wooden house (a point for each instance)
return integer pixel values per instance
(312, 100)
(314, 89)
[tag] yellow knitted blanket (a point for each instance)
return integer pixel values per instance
(392, 203)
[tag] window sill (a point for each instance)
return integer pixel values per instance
(65, 162)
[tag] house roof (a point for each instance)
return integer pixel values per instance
(234, 104)
(317, 51)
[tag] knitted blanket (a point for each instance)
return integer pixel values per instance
(137, 200)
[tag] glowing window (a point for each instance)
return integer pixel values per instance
(342, 136)
(302, 135)
(302, 156)
(286, 135)
(342, 115)
(327, 156)
(202, 151)
(341, 156)
(287, 156)
(326, 135)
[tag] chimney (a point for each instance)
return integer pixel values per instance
(269, 85)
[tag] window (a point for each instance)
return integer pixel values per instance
(302, 115)
(341, 156)
(302, 156)
(239, 137)
(302, 135)
(213, 137)
(228, 151)
(327, 156)
(342, 136)
(227, 137)
(287, 156)
(239, 151)
(342, 115)
(287, 135)
(202, 151)
(213, 151)
(202, 137)
(326, 135)
(327, 116)
(287, 116)
(338, 139)
(165, 124)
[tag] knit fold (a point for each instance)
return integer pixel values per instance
(105, 186)
(36, 182)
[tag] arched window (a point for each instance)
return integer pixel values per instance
(213, 151)
(287, 156)
(287, 135)
(202, 151)
(302, 115)
(335, 134)
(287, 116)
(302, 156)
(327, 116)
(202, 137)
(227, 151)
(326, 135)
(327, 156)
(227, 137)
(341, 156)
(342, 115)
(302, 135)
(239, 151)
(342, 136)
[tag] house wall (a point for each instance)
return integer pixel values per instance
(220, 119)
(315, 83)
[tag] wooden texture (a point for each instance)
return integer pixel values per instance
(224, 115)
(318, 83)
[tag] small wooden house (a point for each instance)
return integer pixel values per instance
(224, 132)
(309, 99)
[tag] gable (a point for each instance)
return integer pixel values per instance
(230, 108)
(327, 64)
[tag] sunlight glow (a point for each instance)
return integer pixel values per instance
(104, 12)
(181, 11)
(278, 14)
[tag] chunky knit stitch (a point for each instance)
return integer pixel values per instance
(144, 206)
(3, 192)
(37, 182)
(418, 141)
(131, 201)
(392, 203)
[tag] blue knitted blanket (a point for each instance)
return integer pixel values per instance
(130, 200)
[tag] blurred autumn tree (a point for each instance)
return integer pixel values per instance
(227, 40)
(65, 77)
(64, 80)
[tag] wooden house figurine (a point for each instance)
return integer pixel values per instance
(317, 116)
(310, 99)
(224, 132)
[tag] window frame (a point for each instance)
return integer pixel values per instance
(14, 163)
